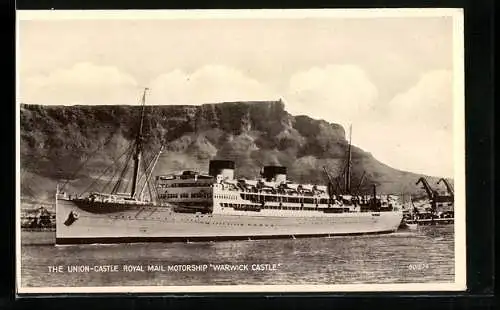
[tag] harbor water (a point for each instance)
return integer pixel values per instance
(407, 256)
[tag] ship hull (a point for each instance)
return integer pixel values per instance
(161, 224)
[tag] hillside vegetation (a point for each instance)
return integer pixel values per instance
(57, 140)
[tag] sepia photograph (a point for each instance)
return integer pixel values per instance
(240, 151)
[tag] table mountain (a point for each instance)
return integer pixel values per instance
(74, 144)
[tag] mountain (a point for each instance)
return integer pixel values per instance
(74, 144)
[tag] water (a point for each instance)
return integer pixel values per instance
(420, 256)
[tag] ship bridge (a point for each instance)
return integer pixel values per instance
(193, 191)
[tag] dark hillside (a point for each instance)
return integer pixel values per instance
(56, 140)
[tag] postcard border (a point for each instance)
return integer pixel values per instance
(459, 152)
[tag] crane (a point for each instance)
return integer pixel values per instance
(428, 189)
(331, 188)
(348, 173)
(327, 174)
(449, 188)
(434, 197)
(360, 182)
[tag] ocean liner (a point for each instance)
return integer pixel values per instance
(193, 206)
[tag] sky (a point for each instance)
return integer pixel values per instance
(391, 78)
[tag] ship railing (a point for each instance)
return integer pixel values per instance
(345, 200)
(279, 192)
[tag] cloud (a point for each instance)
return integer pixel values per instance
(83, 83)
(429, 102)
(337, 93)
(413, 131)
(412, 147)
(416, 133)
(209, 84)
(90, 84)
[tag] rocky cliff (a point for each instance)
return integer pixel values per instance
(76, 143)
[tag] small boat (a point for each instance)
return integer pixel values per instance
(412, 226)
(408, 223)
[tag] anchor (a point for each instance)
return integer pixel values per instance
(72, 217)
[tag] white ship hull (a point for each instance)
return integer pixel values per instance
(160, 224)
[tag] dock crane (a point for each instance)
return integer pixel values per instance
(434, 196)
(431, 193)
(449, 188)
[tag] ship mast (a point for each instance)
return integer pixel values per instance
(348, 172)
(138, 146)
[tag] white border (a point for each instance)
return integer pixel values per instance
(233, 14)
(459, 148)
(458, 143)
(18, 168)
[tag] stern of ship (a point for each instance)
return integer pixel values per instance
(393, 219)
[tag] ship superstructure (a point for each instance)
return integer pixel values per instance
(218, 192)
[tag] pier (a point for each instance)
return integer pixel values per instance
(433, 221)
